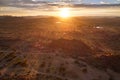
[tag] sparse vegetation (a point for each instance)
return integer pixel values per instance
(42, 49)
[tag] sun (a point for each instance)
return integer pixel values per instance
(64, 12)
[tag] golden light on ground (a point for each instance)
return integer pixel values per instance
(64, 12)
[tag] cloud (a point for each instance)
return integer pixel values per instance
(103, 2)
(16, 2)
(22, 3)
(44, 3)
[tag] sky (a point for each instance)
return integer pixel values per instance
(41, 7)
(8, 2)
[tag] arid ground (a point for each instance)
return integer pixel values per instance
(50, 48)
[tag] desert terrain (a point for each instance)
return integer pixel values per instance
(51, 48)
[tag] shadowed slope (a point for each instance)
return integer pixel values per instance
(76, 47)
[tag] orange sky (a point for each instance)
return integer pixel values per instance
(108, 11)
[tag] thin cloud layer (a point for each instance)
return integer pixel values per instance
(18, 2)
(45, 6)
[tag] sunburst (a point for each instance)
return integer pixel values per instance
(64, 12)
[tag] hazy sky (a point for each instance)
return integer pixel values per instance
(40, 7)
(8, 2)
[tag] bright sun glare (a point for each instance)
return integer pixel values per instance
(64, 12)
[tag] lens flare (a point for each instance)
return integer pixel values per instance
(64, 12)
